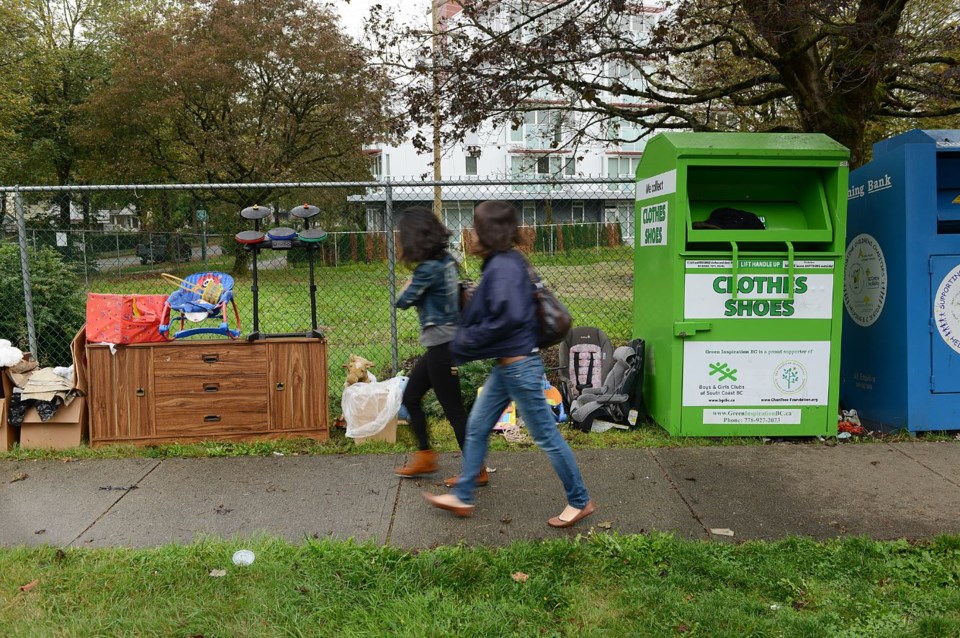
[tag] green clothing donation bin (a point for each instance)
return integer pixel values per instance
(738, 282)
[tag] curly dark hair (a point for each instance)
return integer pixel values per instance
(422, 236)
(495, 224)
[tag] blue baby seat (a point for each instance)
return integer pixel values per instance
(188, 301)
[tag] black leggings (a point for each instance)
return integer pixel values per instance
(434, 370)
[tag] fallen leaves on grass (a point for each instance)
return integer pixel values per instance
(520, 577)
(218, 573)
(30, 585)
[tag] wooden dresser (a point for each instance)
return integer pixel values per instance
(191, 391)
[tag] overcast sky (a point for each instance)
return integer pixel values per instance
(353, 14)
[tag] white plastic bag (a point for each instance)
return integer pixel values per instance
(368, 407)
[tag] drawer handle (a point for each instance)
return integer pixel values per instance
(211, 418)
(211, 387)
(140, 392)
(279, 386)
(210, 358)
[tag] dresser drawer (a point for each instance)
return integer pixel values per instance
(242, 400)
(207, 361)
(209, 423)
(211, 388)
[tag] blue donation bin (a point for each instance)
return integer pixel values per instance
(900, 367)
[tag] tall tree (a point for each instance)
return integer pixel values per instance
(829, 66)
(53, 52)
(241, 91)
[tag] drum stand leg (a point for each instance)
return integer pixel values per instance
(253, 336)
(315, 332)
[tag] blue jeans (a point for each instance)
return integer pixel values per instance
(521, 382)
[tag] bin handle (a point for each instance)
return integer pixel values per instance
(736, 262)
(735, 250)
(789, 270)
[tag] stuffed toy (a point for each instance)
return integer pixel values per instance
(358, 370)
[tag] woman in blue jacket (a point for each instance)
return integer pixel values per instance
(500, 322)
(434, 290)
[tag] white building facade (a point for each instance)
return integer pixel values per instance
(541, 147)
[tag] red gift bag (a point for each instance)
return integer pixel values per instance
(124, 318)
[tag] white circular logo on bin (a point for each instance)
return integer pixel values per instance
(864, 280)
(946, 308)
(790, 377)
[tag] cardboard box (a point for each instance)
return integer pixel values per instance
(388, 434)
(79, 352)
(66, 429)
(8, 433)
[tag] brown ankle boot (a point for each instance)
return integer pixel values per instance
(482, 480)
(423, 462)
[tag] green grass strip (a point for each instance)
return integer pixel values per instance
(596, 585)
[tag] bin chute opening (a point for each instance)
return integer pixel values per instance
(789, 204)
(730, 219)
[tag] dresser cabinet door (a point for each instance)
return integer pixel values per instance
(296, 385)
(121, 393)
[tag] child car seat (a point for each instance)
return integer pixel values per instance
(621, 390)
(586, 356)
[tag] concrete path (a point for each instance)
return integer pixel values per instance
(881, 490)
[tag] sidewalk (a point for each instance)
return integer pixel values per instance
(880, 490)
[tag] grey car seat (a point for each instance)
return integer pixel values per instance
(586, 356)
(621, 390)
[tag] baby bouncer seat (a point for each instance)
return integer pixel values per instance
(200, 297)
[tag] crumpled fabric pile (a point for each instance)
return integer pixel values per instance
(47, 389)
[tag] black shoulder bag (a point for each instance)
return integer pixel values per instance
(553, 318)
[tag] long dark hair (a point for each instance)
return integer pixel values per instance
(495, 223)
(422, 236)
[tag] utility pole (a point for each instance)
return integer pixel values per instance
(435, 6)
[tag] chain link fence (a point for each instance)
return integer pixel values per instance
(121, 239)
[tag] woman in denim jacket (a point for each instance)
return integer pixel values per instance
(434, 290)
(500, 322)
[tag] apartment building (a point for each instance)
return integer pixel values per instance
(540, 147)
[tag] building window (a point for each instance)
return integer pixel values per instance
(471, 167)
(457, 215)
(621, 214)
(622, 166)
(542, 166)
(376, 165)
(625, 135)
(528, 216)
(540, 129)
(577, 212)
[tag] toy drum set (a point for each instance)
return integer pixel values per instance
(282, 238)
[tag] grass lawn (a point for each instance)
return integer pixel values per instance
(598, 585)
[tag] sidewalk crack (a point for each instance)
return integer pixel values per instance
(924, 465)
(393, 512)
(114, 504)
(676, 489)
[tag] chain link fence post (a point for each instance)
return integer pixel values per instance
(86, 268)
(391, 275)
(25, 270)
